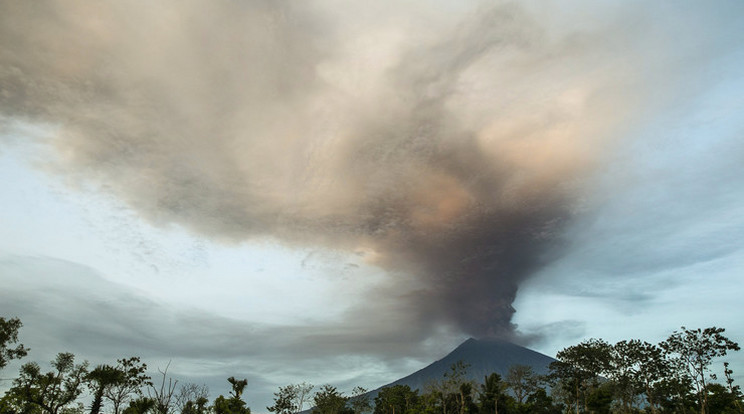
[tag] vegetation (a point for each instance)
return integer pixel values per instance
(291, 399)
(234, 404)
(9, 336)
(592, 377)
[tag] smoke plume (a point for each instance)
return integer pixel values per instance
(447, 145)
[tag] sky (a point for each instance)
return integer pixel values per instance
(335, 193)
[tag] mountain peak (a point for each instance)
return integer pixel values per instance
(483, 356)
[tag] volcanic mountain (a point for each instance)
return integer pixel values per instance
(484, 356)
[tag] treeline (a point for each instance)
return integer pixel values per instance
(120, 388)
(632, 376)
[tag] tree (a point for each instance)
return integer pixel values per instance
(539, 402)
(449, 391)
(197, 406)
(291, 398)
(234, 404)
(284, 400)
(735, 390)
(578, 369)
(141, 405)
(100, 378)
(191, 398)
(396, 399)
(134, 377)
(163, 395)
(695, 350)
(328, 400)
(9, 336)
(622, 374)
(436, 395)
(303, 394)
(238, 386)
(359, 401)
(50, 391)
(599, 399)
(457, 381)
(721, 400)
(492, 397)
(673, 394)
(522, 380)
(14, 402)
(637, 368)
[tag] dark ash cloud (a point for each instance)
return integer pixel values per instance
(453, 158)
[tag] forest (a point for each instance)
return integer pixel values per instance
(677, 375)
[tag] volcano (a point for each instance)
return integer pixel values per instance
(484, 356)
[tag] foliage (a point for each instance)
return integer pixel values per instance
(359, 401)
(238, 386)
(15, 403)
(284, 400)
(234, 404)
(638, 369)
(453, 393)
(291, 398)
(197, 406)
(231, 405)
(540, 402)
(8, 336)
(578, 369)
(51, 391)
(141, 405)
(100, 378)
(735, 390)
(592, 377)
(396, 399)
(522, 381)
(694, 350)
(722, 400)
(493, 398)
(599, 399)
(192, 398)
(328, 400)
(133, 378)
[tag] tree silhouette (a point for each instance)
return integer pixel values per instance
(53, 390)
(234, 404)
(8, 336)
(134, 377)
(695, 350)
(100, 378)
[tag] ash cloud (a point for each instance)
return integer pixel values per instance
(449, 147)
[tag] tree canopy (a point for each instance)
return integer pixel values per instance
(9, 336)
(679, 375)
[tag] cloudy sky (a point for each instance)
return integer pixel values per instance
(335, 193)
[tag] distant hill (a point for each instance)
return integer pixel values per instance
(484, 356)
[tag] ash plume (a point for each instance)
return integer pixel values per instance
(449, 147)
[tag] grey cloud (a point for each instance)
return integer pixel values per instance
(66, 307)
(93, 314)
(562, 331)
(457, 168)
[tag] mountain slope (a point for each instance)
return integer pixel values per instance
(484, 356)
